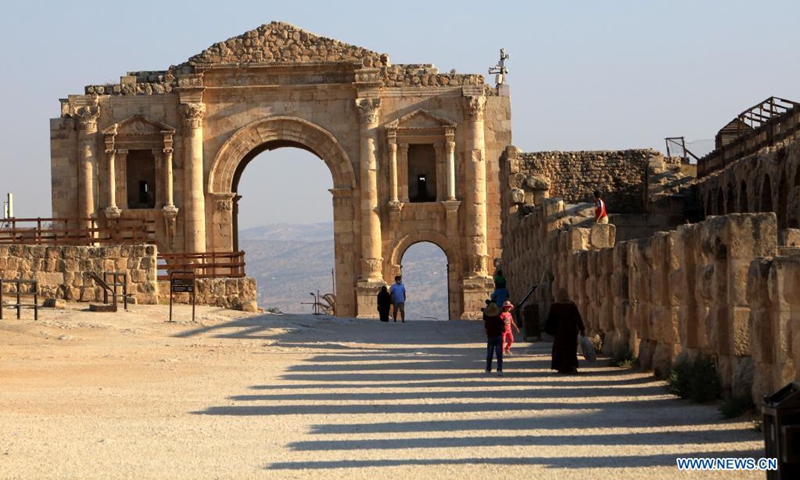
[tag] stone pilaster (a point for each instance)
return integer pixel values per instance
(346, 249)
(475, 208)
(87, 158)
(194, 200)
(402, 171)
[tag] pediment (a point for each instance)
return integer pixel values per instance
(420, 119)
(282, 43)
(138, 125)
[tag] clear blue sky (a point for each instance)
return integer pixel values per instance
(584, 74)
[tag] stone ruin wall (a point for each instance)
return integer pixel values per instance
(574, 176)
(232, 293)
(60, 273)
(717, 287)
(60, 270)
(768, 180)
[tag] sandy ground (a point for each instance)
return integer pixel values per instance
(127, 395)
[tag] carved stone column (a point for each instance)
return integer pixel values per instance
(476, 247)
(170, 210)
(111, 209)
(121, 173)
(450, 145)
(194, 199)
(87, 161)
(369, 113)
(393, 167)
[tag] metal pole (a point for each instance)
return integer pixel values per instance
(447, 269)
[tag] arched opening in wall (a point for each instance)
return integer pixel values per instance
(424, 268)
(283, 220)
(730, 203)
(743, 203)
(708, 210)
(140, 174)
(766, 195)
(720, 202)
(783, 200)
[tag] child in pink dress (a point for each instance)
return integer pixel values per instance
(508, 320)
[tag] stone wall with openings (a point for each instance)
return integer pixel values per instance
(765, 181)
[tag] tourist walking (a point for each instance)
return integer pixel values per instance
(509, 323)
(500, 293)
(600, 214)
(566, 318)
(494, 327)
(384, 304)
(398, 292)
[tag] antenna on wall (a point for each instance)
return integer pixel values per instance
(500, 70)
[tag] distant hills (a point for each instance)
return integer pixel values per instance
(291, 261)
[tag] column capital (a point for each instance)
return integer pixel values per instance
(87, 118)
(368, 110)
(450, 145)
(192, 114)
(223, 202)
(474, 107)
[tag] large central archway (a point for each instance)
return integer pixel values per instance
(276, 132)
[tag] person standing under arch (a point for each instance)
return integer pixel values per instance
(398, 292)
(384, 304)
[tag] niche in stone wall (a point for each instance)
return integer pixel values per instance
(141, 149)
(141, 179)
(422, 182)
(422, 150)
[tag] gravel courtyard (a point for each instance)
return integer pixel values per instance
(238, 396)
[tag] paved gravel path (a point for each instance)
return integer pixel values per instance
(104, 396)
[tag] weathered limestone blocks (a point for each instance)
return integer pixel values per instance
(573, 176)
(232, 293)
(61, 270)
(774, 295)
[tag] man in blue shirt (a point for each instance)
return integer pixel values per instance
(398, 292)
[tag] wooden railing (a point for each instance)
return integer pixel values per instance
(765, 131)
(204, 265)
(75, 231)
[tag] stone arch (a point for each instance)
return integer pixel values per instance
(765, 205)
(434, 237)
(730, 199)
(743, 202)
(783, 200)
(279, 131)
(395, 255)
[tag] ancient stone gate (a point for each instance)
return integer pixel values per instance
(413, 154)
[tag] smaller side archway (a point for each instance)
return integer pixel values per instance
(743, 201)
(766, 195)
(454, 276)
